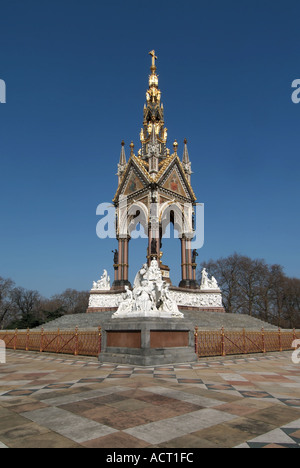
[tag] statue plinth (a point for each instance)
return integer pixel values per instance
(148, 342)
(148, 328)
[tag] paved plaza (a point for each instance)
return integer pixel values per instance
(64, 401)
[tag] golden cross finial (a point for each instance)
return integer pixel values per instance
(152, 53)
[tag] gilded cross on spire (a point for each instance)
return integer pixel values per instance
(154, 57)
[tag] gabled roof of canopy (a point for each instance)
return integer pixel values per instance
(140, 166)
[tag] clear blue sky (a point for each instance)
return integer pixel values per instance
(76, 73)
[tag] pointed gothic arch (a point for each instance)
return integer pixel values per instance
(137, 214)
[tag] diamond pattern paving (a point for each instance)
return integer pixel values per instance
(63, 401)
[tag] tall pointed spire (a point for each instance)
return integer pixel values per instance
(122, 155)
(122, 163)
(153, 114)
(185, 158)
(187, 166)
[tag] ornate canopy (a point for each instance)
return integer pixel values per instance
(154, 189)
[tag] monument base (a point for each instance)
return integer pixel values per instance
(188, 284)
(120, 285)
(146, 342)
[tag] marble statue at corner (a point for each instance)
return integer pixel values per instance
(150, 296)
(207, 283)
(126, 301)
(103, 284)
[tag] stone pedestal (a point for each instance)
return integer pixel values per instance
(189, 284)
(148, 342)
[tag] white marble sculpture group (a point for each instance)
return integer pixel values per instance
(207, 283)
(103, 284)
(150, 296)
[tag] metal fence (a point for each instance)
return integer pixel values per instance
(226, 342)
(84, 343)
(207, 342)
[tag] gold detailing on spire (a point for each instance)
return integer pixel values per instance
(153, 66)
(175, 146)
(153, 93)
(153, 114)
(131, 149)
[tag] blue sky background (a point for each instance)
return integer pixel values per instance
(76, 74)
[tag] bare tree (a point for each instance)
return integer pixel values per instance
(291, 308)
(252, 275)
(252, 287)
(6, 302)
(226, 271)
(278, 294)
(265, 306)
(27, 303)
(72, 301)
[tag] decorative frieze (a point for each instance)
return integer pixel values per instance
(103, 301)
(195, 300)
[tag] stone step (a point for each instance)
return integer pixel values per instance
(203, 320)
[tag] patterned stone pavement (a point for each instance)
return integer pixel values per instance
(62, 401)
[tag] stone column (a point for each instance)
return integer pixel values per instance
(183, 259)
(188, 268)
(125, 264)
(189, 260)
(121, 269)
(153, 234)
(121, 253)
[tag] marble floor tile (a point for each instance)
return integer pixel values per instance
(65, 401)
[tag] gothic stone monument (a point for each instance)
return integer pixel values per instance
(154, 189)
